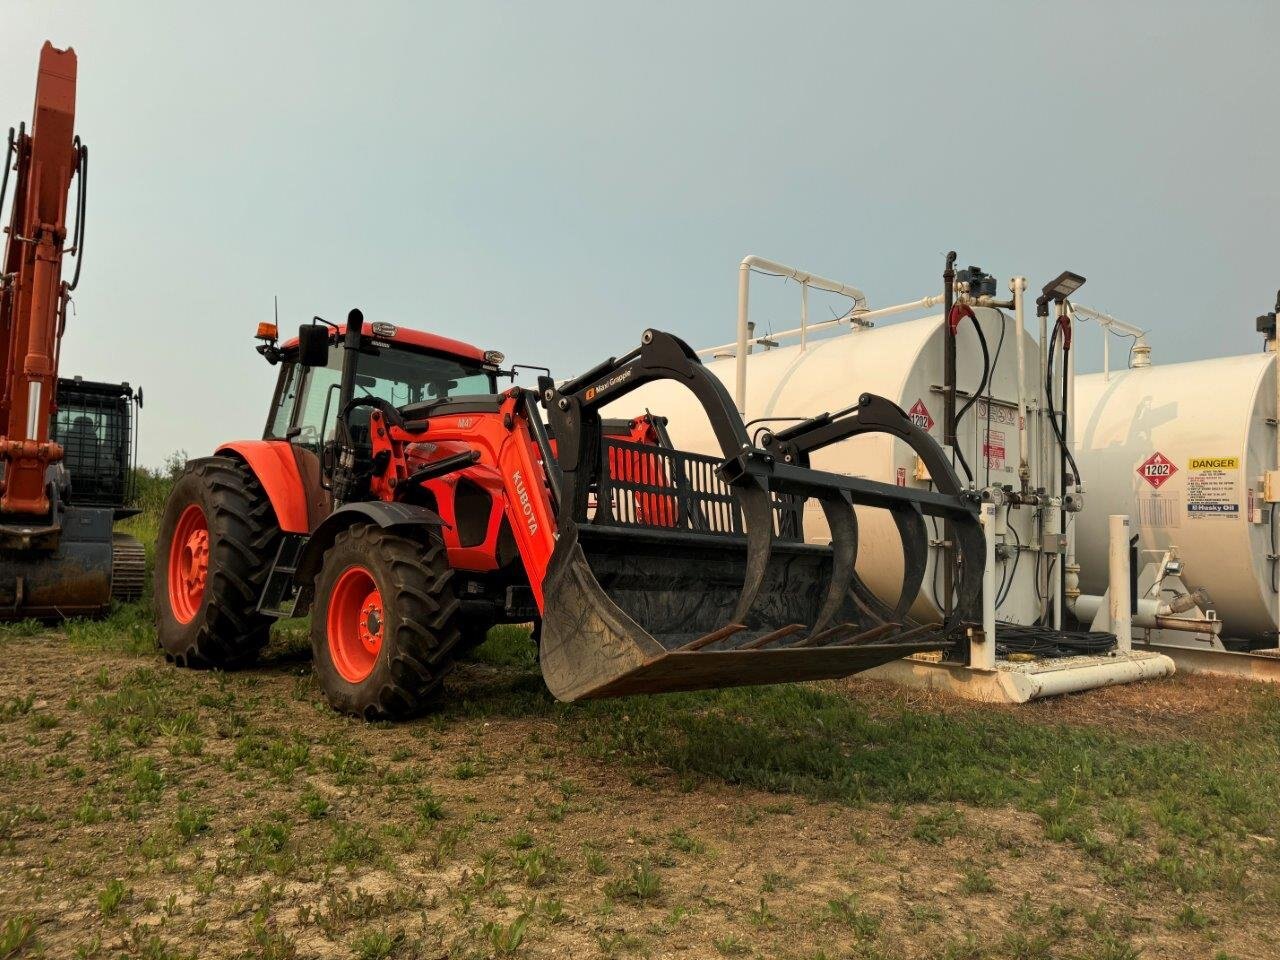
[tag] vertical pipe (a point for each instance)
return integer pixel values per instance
(740, 386)
(1042, 431)
(983, 656)
(949, 354)
(1060, 478)
(1071, 582)
(948, 413)
(804, 314)
(1275, 373)
(1019, 286)
(1121, 610)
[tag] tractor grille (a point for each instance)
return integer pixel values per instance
(642, 485)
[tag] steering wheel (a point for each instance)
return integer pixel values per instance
(388, 410)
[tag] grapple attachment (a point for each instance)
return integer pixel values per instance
(681, 571)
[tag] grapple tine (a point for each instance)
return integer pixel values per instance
(915, 554)
(757, 514)
(835, 636)
(709, 638)
(919, 630)
(779, 634)
(843, 523)
(867, 601)
(875, 633)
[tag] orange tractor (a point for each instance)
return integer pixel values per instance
(408, 503)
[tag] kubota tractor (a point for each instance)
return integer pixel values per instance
(408, 503)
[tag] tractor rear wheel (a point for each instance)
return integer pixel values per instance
(218, 538)
(384, 628)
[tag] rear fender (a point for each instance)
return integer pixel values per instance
(273, 463)
(388, 516)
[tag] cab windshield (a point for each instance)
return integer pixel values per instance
(308, 398)
(409, 376)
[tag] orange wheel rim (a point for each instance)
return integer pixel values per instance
(188, 564)
(355, 624)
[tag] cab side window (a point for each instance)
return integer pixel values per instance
(286, 397)
(319, 389)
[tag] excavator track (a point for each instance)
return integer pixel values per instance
(128, 568)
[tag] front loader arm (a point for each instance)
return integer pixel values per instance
(510, 440)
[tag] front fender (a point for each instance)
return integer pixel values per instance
(273, 463)
(377, 512)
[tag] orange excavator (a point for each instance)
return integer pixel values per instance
(68, 447)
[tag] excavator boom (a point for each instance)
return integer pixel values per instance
(65, 457)
(33, 296)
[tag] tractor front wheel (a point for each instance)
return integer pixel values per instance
(218, 536)
(384, 628)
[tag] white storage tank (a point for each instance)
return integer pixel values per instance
(903, 362)
(1183, 449)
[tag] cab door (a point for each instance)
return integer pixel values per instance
(303, 415)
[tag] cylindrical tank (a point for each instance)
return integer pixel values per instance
(903, 362)
(1183, 448)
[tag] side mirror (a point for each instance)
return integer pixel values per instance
(313, 345)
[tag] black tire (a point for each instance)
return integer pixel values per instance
(419, 630)
(243, 537)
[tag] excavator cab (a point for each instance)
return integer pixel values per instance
(94, 424)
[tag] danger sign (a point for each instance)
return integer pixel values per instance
(919, 415)
(1156, 469)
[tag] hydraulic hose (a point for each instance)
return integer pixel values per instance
(82, 171)
(958, 313)
(1059, 430)
(8, 162)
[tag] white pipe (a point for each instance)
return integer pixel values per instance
(744, 288)
(983, 656)
(1053, 683)
(1019, 285)
(804, 315)
(1118, 563)
(1152, 614)
(1141, 349)
(744, 292)
(859, 318)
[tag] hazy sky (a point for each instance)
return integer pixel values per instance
(549, 179)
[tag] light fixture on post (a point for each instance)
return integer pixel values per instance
(1057, 290)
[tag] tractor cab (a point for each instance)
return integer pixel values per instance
(394, 366)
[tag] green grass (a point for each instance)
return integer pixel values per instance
(1205, 796)
(1182, 813)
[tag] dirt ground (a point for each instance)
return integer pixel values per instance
(152, 812)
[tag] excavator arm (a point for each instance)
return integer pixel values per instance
(33, 295)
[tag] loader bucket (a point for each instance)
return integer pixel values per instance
(681, 571)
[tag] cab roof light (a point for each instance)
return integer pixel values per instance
(267, 331)
(495, 357)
